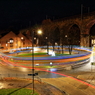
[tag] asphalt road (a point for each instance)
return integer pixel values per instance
(23, 72)
(8, 71)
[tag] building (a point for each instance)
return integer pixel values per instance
(9, 41)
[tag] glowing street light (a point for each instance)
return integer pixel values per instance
(33, 72)
(39, 32)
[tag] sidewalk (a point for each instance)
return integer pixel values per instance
(41, 87)
(71, 86)
(55, 86)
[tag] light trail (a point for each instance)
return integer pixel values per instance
(62, 59)
(55, 73)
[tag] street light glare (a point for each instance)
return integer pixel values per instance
(39, 31)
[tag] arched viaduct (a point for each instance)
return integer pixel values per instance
(82, 26)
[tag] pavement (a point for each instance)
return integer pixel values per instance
(41, 87)
(82, 84)
(71, 86)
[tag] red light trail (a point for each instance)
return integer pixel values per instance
(50, 72)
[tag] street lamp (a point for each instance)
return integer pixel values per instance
(66, 37)
(22, 39)
(33, 59)
(33, 73)
(47, 45)
(39, 32)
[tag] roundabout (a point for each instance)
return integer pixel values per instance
(43, 60)
(16, 62)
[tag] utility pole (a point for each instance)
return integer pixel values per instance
(33, 60)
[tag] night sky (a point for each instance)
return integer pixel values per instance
(17, 14)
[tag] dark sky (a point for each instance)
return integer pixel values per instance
(16, 14)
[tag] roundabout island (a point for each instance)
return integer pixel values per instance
(44, 60)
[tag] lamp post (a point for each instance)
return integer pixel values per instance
(47, 45)
(22, 42)
(39, 32)
(33, 72)
(33, 60)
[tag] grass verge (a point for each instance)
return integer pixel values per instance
(17, 91)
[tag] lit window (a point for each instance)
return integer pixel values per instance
(34, 38)
(11, 40)
(22, 38)
(94, 41)
(6, 45)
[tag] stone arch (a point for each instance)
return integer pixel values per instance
(92, 36)
(89, 31)
(55, 35)
(89, 25)
(74, 34)
(72, 24)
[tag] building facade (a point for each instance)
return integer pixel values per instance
(14, 41)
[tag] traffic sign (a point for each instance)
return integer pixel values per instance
(33, 74)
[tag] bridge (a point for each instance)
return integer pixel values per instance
(80, 26)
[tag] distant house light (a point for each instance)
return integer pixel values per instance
(11, 40)
(6, 45)
(66, 36)
(34, 38)
(22, 38)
